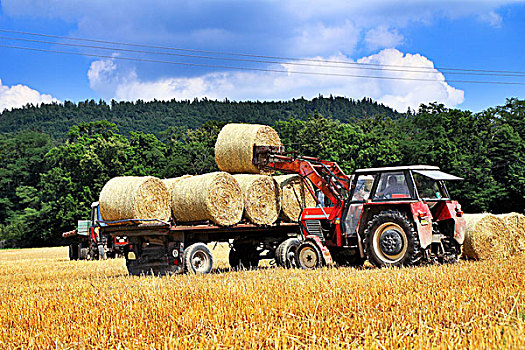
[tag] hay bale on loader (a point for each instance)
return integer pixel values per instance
(485, 237)
(215, 196)
(133, 197)
(262, 198)
(515, 224)
(234, 146)
(294, 197)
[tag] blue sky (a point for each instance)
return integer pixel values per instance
(397, 35)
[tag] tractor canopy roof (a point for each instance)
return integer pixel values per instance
(430, 171)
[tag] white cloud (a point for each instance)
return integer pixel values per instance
(382, 37)
(492, 18)
(325, 27)
(20, 95)
(398, 94)
(319, 39)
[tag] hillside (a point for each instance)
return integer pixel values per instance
(157, 116)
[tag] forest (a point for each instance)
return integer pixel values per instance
(49, 177)
(154, 117)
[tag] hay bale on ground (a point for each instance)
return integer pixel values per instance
(234, 146)
(132, 197)
(215, 196)
(262, 198)
(515, 224)
(294, 197)
(485, 237)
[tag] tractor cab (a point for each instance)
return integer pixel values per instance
(408, 198)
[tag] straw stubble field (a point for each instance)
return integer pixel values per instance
(51, 302)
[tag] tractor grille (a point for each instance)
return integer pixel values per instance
(314, 228)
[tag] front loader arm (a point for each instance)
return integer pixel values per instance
(324, 175)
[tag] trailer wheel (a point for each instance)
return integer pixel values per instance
(285, 253)
(197, 259)
(391, 240)
(243, 257)
(73, 252)
(308, 256)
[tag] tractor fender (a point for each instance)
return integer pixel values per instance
(325, 253)
(423, 221)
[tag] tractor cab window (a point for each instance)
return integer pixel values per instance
(428, 188)
(392, 185)
(363, 188)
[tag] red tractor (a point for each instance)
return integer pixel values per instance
(392, 216)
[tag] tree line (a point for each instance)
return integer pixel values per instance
(156, 116)
(46, 185)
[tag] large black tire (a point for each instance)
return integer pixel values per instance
(285, 253)
(243, 257)
(391, 240)
(197, 259)
(308, 256)
(73, 251)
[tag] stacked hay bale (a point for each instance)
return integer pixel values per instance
(234, 146)
(294, 197)
(262, 198)
(515, 224)
(170, 182)
(131, 197)
(216, 197)
(485, 237)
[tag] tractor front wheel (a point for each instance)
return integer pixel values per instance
(308, 256)
(391, 240)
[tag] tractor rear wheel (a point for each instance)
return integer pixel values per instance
(285, 253)
(197, 259)
(391, 240)
(308, 256)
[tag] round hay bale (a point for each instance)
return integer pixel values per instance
(215, 196)
(234, 146)
(294, 197)
(262, 198)
(485, 237)
(170, 182)
(515, 224)
(132, 197)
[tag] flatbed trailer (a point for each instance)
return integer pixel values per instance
(161, 248)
